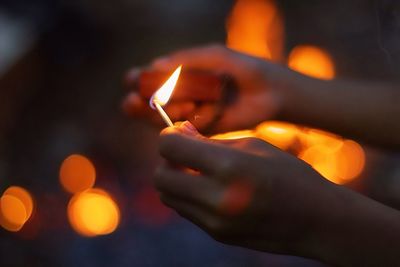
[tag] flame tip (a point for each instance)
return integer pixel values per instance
(163, 94)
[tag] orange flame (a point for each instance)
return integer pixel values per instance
(163, 94)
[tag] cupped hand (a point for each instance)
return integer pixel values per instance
(260, 88)
(244, 192)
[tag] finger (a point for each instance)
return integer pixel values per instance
(184, 185)
(136, 106)
(180, 110)
(132, 77)
(213, 57)
(203, 116)
(198, 153)
(197, 215)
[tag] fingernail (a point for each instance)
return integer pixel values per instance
(188, 128)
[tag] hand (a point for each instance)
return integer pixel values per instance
(243, 192)
(260, 85)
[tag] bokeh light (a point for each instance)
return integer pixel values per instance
(255, 27)
(16, 207)
(234, 135)
(279, 134)
(350, 161)
(77, 173)
(312, 61)
(93, 212)
(340, 161)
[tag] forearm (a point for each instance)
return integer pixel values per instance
(357, 231)
(360, 110)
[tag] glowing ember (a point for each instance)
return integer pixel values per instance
(77, 174)
(93, 213)
(312, 61)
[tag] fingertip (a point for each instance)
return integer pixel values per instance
(132, 104)
(169, 140)
(188, 128)
(170, 130)
(182, 127)
(132, 76)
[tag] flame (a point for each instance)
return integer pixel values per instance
(255, 27)
(77, 173)
(93, 212)
(16, 207)
(312, 61)
(163, 94)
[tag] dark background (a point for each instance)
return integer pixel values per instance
(61, 94)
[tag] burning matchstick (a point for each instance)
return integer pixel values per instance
(163, 114)
(162, 95)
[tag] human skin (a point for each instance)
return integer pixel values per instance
(365, 111)
(288, 207)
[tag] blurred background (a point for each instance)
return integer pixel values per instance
(75, 172)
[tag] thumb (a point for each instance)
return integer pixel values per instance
(185, 128)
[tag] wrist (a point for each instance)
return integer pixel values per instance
(354, 231)
(297, 95)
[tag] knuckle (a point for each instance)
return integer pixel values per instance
(218, 49)
(158, 178)
(227, 164)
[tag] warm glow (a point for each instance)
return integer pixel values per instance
(338, 160)
(77, 174)
(236, 198)
(323, 159)
(255, 27)
(313, 137)
(16, 206)
(279, 134)
(13, 213)
(350, 161)
(93, 213)
(23, 196)
(164, 93)
(234, 135)
(312, 61)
